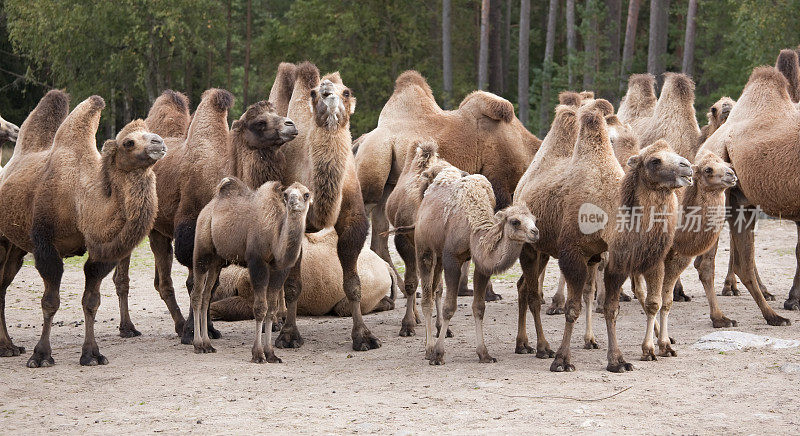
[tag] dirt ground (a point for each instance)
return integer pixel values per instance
(154, 384)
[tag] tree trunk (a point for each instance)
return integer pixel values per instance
(228, 49)
(523, 67)
(590, 46)
(209, 65)
(630, 39)
(187, 72)
(246, 80)
(507, 47)
(688, 44)
(496, 47)
(614, 15)
(447, 60)
(657, 42)
(544, 105)
(483, 56)
(571, 42)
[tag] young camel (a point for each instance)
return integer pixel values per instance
(70, 199)
(261, 230)
(456, 222)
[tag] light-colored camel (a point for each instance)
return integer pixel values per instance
(482, 136)
(8, 131)
(261, 230)
(640, 99)
(322, 283)
(761, 137)
(67, 199)
(456, 221)
(321, 158)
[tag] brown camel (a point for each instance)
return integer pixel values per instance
(321, 158)
(261, 230)
(640, 99)
(188, 175)
(108, 215)
(456, 221)
(760, 137)
(8, 131)
(322, 283)
(482, 136)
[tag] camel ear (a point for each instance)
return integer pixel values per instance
(501, 214)
(313, 95)
(352, 105)
(713, 111)
(634, 161)
(236, 125)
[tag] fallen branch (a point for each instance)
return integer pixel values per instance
(558, 397)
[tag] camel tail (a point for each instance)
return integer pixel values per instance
(398, 230)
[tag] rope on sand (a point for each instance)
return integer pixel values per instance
(558, 397)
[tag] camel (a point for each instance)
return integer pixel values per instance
(321, 158)
(8, 131)
(322, 279)
(760, 137)
(640, 99)
(35, 136)
(787, 64)
(261, 230)
(482, 136)
(187, 177)
(456, 221)
(67, 199)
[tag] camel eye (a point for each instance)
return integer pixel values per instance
(346, 93)
(128, 143)
(305, 196)
(285, 197)
(261, 125)
(708, 170)
(655, 162)
(515, 222)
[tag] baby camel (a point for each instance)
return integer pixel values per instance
(262, 230)
(455, 222)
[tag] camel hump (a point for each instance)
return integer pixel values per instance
(569, 98)
(307, 74)
(788, 65)
(646, 81)
(39, 128)
(282, 88)
(80, 126)
(230, 186)
(221, 100)
(680, 84)
(410, 78)
(177, 99)
(604, 107)
(587, 95)
(490, 105)
(765, 75)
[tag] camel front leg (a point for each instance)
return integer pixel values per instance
(11, 262)
(51, 268)
(94, 273)
(573, 266)
(793, 301)
(480, 282)
(674, 264)
(259, 280)
(652, 304)
(405, 247)
(705, 270)
(289, 337)
(161, 246)
(122, 284)
(613, 283)
(589, 340)
(557, 305)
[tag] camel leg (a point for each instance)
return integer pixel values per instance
(352, 236)
(589, 340)
(465, 291)
(705, 269)
(638, 288)
(793, 302)
(94, 273)
(405, 247)
(205, 275)
(678, 294)
(557, 306)
(51, 268)
(652, 304)
(12, 262)
(674, 264)
(263, 307)
(289, 337)
(122, 284)
(438, 295)
(613, 282)
(480, 282)
(161, 246)
(530, 298)
(574, 267)
(380, 223)
(745, 263)
(452, 274)
(730, 288)
(274, 294)
(426, 263)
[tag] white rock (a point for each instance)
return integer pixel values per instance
(732, 340)
(791, 368)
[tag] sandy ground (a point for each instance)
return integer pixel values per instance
(154, 384)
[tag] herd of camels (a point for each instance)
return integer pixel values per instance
(271, 214)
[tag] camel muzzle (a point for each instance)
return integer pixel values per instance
(729, 179)
(288, 131)
(156, 149)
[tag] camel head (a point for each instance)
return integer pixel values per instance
(298, 198)
(519, 224)
(659, 167)
(720, 111)
(711, 173)
(133, 148)
(8, 131)
(263, 127)
(332, 103)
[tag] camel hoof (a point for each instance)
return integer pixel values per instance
(561, 365)
(179, 327)
(665, 350)
(723, 322)
(523, 348)
(778, 321)
(272, 358)
(648, 355)
(679, 295)
(289, 337)
(768, 296)
(93, 359)
(791, 304)
(555, 310)
(729, 291)
(364, 340)
(465, 292)
(204, 348)
(487, 359)
(264, 358)
(407, 330)
(277, 326)
(128, 331)
(591, 344)
(212, 332)
(449, 333)
(621, 366)
(40, 361)
(11, 350)
(624, 297)
(187, 337)
(492, 296)
(437, 358)
(545, 352)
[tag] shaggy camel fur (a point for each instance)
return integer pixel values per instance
(35, 137)
(188, 175)
(71, 199)
(322, 283)
(321, 158)
(456, 221)
(169, 116)
(640, 99)
(482, 136)
(261, 230)
(787, 64)
(761, 137)
(8, 131)
(574, 167)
